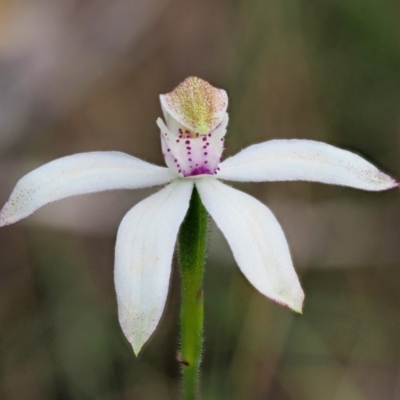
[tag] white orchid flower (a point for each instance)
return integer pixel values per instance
(192, 139)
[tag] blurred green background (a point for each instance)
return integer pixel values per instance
(84, 75)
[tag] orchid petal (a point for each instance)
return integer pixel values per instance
(79, 174)
(307, 160)
(256, 239)
(143, 257)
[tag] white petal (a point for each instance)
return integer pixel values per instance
(256, 239)
(143, 257)
(79, 174)
(307, 160)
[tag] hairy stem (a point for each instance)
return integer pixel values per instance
(192, 251)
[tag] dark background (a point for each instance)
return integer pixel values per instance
(85, 75)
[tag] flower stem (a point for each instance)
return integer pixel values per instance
(192, 251)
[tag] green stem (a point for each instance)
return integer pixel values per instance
(192, 251)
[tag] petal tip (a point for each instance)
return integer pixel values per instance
(296, 307)
(298, 310)
(4, 218)
(296, 303)
(137, 349)
(135, 342)
(393, 183)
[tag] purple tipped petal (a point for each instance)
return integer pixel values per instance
(305, 160)
(256, 239)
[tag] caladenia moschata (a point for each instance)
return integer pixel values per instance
(192, 140)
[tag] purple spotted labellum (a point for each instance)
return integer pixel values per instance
(192, 139)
